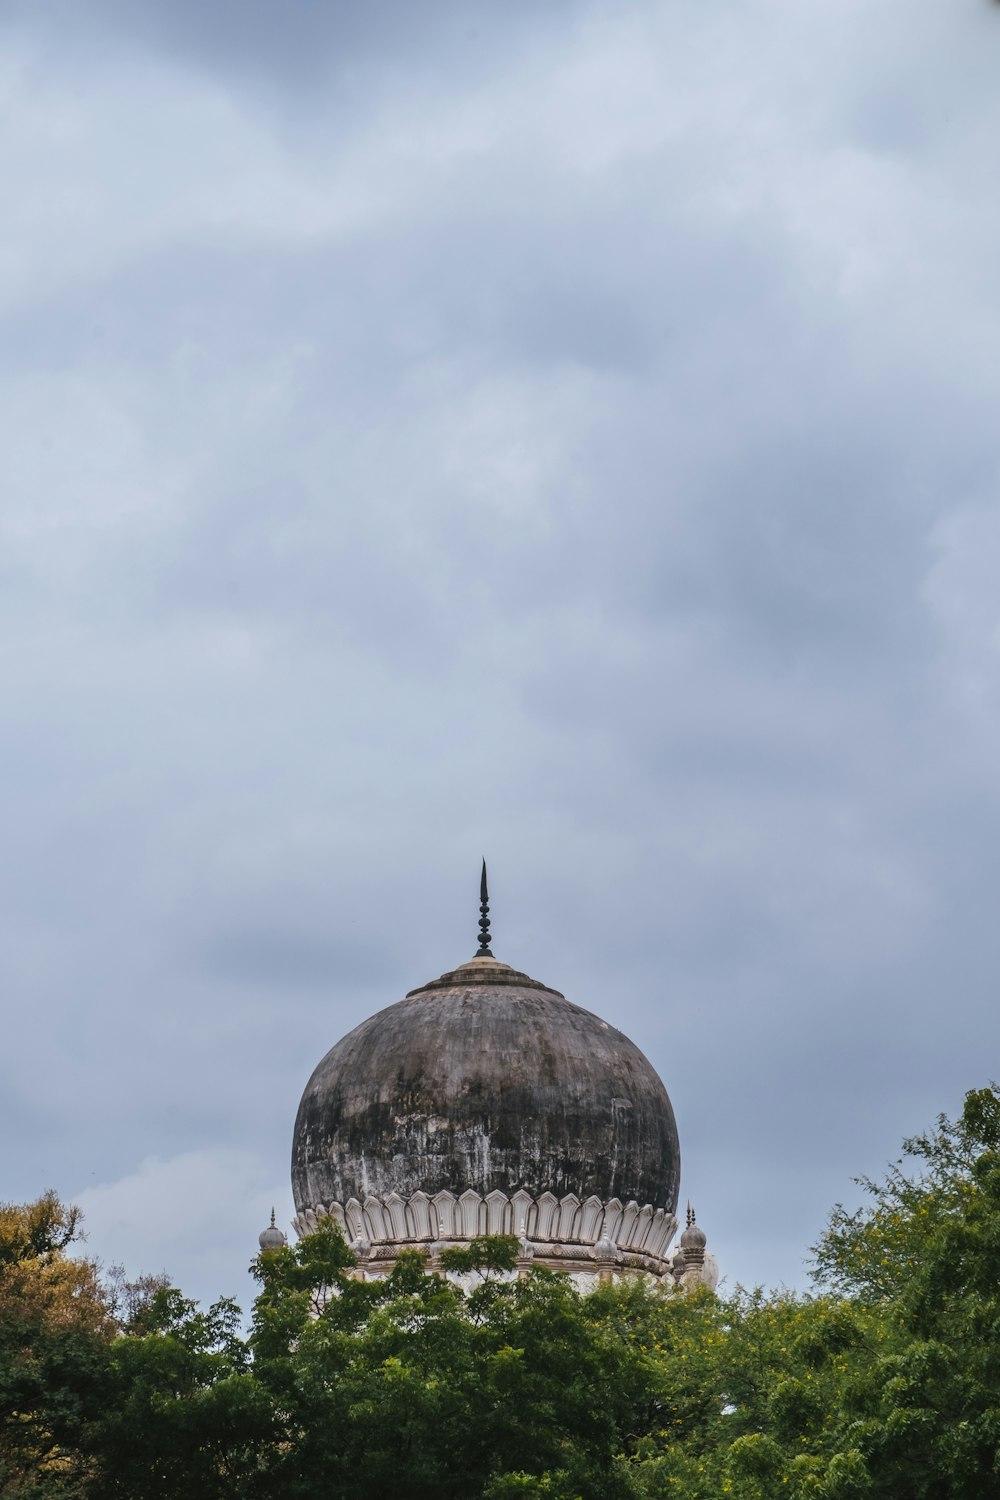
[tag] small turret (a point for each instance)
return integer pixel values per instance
(693, 1264)
(271, 1238)
(693, 1240)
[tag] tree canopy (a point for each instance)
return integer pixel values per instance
(883, 1382)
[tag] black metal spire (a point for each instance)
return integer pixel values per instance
(484, 950)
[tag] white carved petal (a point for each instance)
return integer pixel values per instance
(591, 1213)
(655, 1237)
(418, 1216)
(640, 1229)
(446, 1208)
(396, 1210)
(378, 1222)
(662, 1236)
(629, 1216)
(470, 1204)
(567, 1217)
(523, 1214)
(497, 1213)
(355, 1219)
(547, 1206)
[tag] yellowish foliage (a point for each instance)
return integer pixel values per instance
(40, 1284)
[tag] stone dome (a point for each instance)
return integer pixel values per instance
(271, 1238)
(485, 1082)
(693, 1237)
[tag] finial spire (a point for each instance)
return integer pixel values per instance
(272, 1218)
(690, 1213)
(484, 950)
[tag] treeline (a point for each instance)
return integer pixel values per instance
(885, 1382)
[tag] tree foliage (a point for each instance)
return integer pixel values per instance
(924, 1255)
(55, 1330)
(885, 1382)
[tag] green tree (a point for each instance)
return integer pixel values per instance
(183, 1414)
(925, 1252)
(737, 1396)
(513, 1385)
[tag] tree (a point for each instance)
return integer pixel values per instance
(55, 1330)
(737, 1396)
(925, 1252)
(495, 1392)
(183, 1414)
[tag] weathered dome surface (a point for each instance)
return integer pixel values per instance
(485, 1080)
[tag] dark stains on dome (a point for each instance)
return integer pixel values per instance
(485, 1079)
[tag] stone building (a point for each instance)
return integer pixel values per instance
(485, 1102)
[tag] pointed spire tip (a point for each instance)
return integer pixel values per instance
(484, 950)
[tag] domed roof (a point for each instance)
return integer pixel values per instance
(485, 1079)
(694, 1237)
(271, 1238)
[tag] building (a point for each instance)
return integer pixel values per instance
(485, 1102)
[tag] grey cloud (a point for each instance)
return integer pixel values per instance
(611, 491)
(303, 47)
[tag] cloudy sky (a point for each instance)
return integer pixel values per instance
(563, 432)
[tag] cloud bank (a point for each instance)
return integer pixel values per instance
(440, 430)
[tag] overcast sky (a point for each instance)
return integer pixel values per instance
(564, 432)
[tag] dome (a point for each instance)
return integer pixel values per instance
(272, 1237)
(485, 1081)
(693, 1237)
